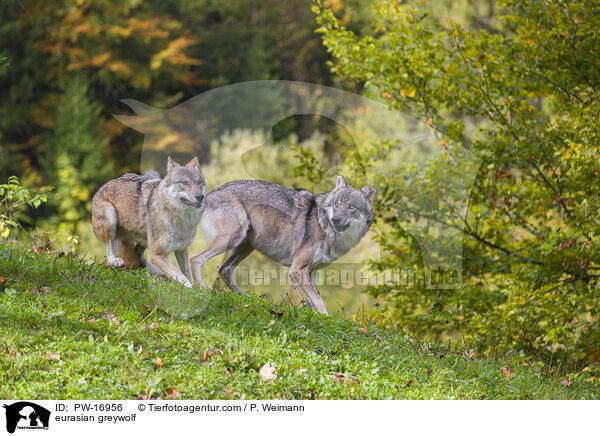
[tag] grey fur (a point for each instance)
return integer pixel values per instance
(135, 212)
(291, 226)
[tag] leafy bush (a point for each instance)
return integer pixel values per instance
(524, 99)
(14, 197)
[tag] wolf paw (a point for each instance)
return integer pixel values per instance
(115, 261)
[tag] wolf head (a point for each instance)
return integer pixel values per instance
(348, 208)
(184, 185)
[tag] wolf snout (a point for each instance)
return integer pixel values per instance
(336, 220)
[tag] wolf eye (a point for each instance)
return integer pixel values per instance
(350, 207)
(183, 182)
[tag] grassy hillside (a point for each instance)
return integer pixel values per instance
(73, 330)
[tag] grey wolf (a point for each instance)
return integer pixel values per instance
(135, 212)
(291, 226)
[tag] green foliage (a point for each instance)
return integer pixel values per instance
(14, 197)
(524, 99)
(82, 331)
(75, 154)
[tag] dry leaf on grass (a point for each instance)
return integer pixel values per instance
(267, 372)
(566, 383)
(159, 362)
(172, 393)
(277, 312)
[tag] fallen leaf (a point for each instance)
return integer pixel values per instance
(172, 393)
(152, 326)
(45, 289)
(428, 372)
(267, 372)
(338, 377)
(159, 362)
(363, 330)
(142, 397)
(227, 372)
(1, 279)
(116, 321)
(208, 353)
(506, 372)
(229, 391)
(566, 383)
(276, 312)
(33, 291)
(53, 356)
(90, 262)
(408, 383)
(381, 339)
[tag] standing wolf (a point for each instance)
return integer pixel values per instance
(291, 226)
(138, 211)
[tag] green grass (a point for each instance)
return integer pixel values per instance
(97, 320)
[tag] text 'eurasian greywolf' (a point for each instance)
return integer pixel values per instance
(291, 226)
(135, 212)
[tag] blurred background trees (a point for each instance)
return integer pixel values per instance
(71, 62)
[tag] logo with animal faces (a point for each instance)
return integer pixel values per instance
(25, 415)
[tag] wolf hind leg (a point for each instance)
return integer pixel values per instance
(127, 250)
(238, 254)
(227, 228)
(104, 224)
(220, 245)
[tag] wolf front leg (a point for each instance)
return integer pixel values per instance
(184, 262)
(162, 263)
(300, 275)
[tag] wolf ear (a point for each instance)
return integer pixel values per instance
(194, 163)
(340, 183)
(171, 164)
(369, 192)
